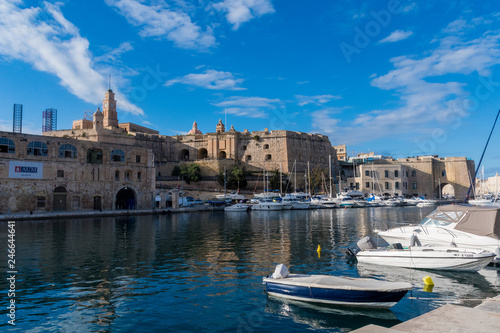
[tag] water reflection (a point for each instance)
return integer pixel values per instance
(327, 317)
(203, 272)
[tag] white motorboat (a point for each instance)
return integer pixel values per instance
(461, 225)
(344, 201)
(327, 289)
(233, 196)
(236, 208)
(324, 201)
(424, 257)
(267, 204)
(375, 201)
(296, 204)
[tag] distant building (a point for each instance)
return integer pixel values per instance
(427, 176)
(341, 152)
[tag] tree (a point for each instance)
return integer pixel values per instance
(188, 171)
(235, 177)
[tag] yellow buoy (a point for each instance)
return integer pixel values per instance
(428, 288)
(428, 281)
(319, 248)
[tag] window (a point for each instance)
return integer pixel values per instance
(137, 158)
(139, 176)
(443, 173)
(37, 148)
(127, 175)
(266, 146)
(396, 173)
(248, 158)
(40, 202)
(117, 155)
(244, 147)
(357, 186)
(396, 185)
(117, 175)
(94, 156)
(60, 173)
(367, 184)
(413, 173)
(386, 173)
(67, 151)
(268, 157)
(414, 185)
(367, 173)
(7, 146)
(406, 173)
(386, 185)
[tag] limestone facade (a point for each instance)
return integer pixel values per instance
(420, 176)
(87, 173)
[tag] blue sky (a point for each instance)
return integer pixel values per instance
(401, 78)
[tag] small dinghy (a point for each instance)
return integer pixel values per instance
(327, 289)
(423, 257)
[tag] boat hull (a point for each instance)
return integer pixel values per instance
(343, 294)
(451, 261)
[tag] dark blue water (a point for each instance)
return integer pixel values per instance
(203, 272)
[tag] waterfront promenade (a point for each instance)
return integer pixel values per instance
(449, 318)
(104, 213)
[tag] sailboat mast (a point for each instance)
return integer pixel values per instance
(330, 172)
(281, 175)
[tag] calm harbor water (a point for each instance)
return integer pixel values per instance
(202, 272)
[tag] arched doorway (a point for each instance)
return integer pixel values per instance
(202, 154)
(59, 196)
(97, 203)
(447, 191)
(222, 154)
(125, 199)
(184, 155)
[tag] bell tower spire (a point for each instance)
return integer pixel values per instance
(109, 108)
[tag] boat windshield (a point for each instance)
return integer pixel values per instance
(441, 219)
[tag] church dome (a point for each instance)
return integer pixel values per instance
(194, 130)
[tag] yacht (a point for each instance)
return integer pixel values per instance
(267, 204)
(294, 202)
(459, 225)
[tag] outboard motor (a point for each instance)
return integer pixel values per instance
(366, 243)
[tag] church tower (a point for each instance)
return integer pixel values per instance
(220, 127)
(109, 110)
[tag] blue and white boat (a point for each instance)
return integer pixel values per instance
(327, 289)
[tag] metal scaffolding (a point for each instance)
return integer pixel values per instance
(17, 122)
(49, 122)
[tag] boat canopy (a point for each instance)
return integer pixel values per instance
(477, 220)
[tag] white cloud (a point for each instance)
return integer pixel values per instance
(253, 107)
(318, 99)
(53, 45)
(210, 79)
(158, 21)
(241, 11)
(396, 36)
(428, 97)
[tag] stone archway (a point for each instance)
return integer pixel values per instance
(184, 155)
(447, 191)
(202, 154)
(125, 199)
(59, 199)
(222, 154)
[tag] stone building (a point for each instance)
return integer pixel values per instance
(104, 164)
(61, 173)
(428, 176)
